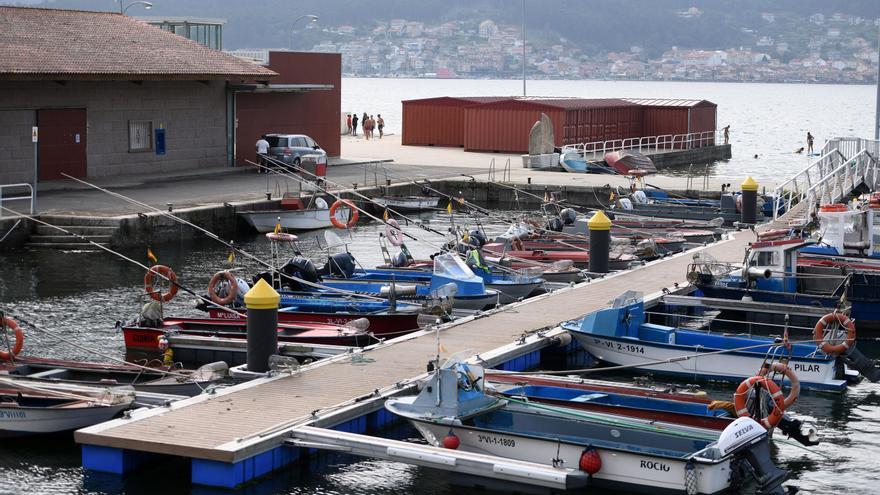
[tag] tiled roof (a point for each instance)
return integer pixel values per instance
(71, 44)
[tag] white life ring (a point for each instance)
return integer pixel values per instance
(393, 233)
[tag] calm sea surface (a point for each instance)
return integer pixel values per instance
(81, 295)
(770, 120)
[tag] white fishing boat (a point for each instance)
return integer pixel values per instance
(454, 411)
(295, 220)
(407, 203)
(31, 410)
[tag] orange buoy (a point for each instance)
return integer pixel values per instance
(231, 292)
(19, 340)
(150, 278)
(351, 220)
(739, 400)
(828, 347)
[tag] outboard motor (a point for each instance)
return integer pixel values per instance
(477, 238)
(399, 260)
(568, 216)
(746, 439)
(865, 366)
(339, 265)
(267, 276)
(299, 267)
(554, 225)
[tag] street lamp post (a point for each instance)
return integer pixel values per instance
(524, 46)
(312, 18)
(123, 8)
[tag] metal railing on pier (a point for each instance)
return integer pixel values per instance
(844, 164)
(31, 197)
(665, 142)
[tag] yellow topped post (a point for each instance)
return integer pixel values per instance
(262, 296)
(749, 184)
(262, 325)
(600, 221)
(749, 209)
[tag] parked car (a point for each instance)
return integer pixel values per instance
(290, 148)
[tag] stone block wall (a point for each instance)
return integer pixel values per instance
(193, 114)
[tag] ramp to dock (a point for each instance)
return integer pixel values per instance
(245, 420)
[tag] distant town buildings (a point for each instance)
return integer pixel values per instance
(828, 49)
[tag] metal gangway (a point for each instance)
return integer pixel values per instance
(844, 164)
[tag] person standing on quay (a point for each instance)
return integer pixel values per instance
(348, 123)
(354, 125)
(372, 127)
(381, 123)
(366, 126)
(809, 143)
(262, 151)
(726, 130)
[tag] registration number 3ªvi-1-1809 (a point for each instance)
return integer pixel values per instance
(504, 442)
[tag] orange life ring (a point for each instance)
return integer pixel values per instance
(19, 339)
(795, 391)
(393, 233)
(739, 400)
(828, 347)
(351, 220)
(231, 292)
(165, 272)
(281, 236)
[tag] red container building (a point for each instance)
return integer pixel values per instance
(437, 121)
(503, 126)
(678, 116)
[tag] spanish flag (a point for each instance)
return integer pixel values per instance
(231, 258)
(150, 256)
(449, 208)
(277, 228)
(385, 215)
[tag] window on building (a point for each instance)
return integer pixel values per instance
(140, 135)
(180, 30)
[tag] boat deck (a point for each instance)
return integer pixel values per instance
(241, 421)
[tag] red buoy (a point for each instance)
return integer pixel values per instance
(451, 441)
(590, 462)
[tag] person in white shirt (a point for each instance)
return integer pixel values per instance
(262, 151)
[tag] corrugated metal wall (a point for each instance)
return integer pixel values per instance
(660, 121)
(702, 118)
(505, 127)
(439, 122)
(599, 124)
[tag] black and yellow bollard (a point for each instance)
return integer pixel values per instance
(262, 325)
(600, 242)
(749, 209)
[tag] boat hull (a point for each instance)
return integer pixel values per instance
(815, 374)
(381, 324)
(642, 473)
(24, 421)
(266, 221)
(407, 203)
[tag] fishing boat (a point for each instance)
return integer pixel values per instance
(666, 405)
(294, 216)
(407, 203)
(455, 411)
(619, 335)
(27, 409)
(790, 271)
(54, 371)
(147, 338)
(468, 291)
(580, 258)
(630, 162)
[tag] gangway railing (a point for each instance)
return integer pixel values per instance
(31, 197)
(844, 164)
(505, 173)
(665, 142)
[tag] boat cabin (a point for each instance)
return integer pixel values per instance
(773, 264)
(846, 231)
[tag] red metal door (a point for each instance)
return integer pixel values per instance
(62, 145)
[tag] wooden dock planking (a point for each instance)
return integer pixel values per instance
(211, 426)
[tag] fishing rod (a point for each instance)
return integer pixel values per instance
(213, 236)
(122, 256)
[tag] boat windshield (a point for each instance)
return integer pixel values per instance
(627, 298)
(449, 265)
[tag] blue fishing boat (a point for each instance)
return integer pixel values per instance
(619, 335)
(793, 271)
(455, 411)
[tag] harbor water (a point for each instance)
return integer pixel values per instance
(82, 295)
